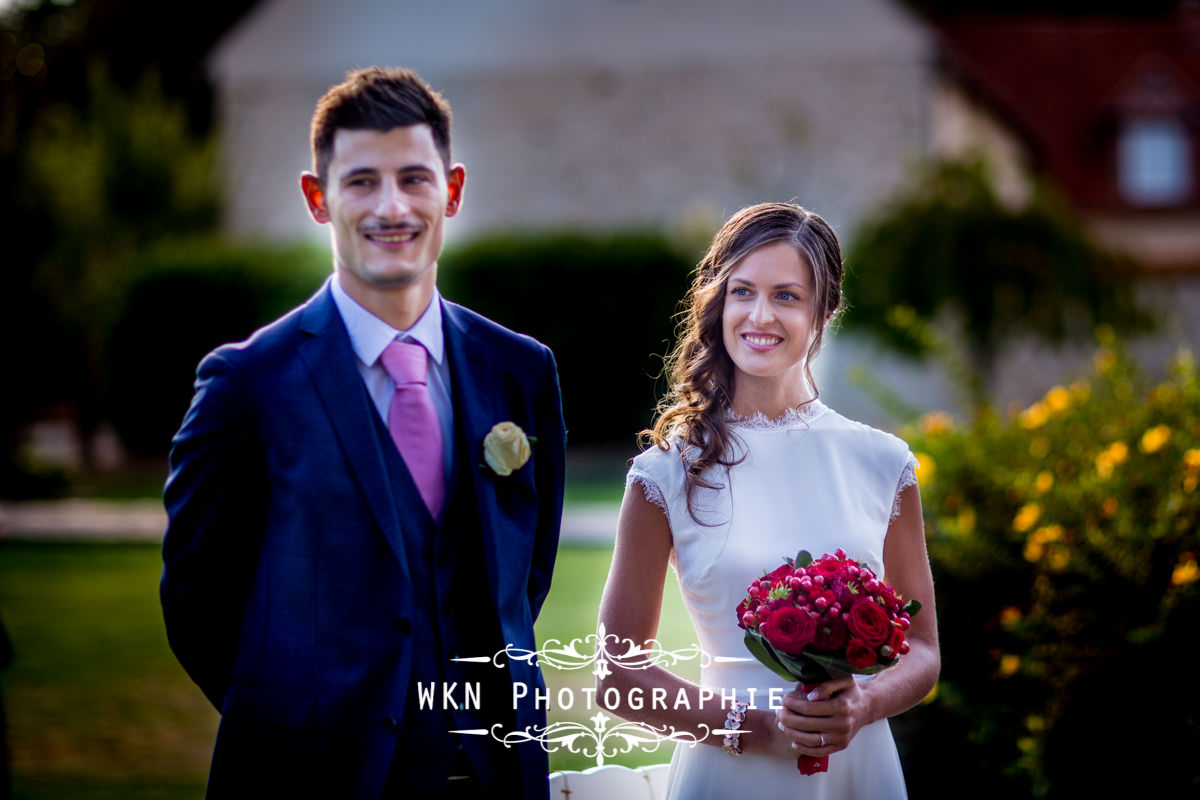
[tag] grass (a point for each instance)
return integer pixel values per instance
(98, 708)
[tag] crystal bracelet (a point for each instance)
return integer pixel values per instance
(733, 721)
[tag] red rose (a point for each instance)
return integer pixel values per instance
(789, 629)
(897, 642)
(830, 636)
(811, 765)
(829, 568)
(869, 622)
(782, 571)
(860, 654)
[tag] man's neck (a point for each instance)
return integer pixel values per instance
(400, 307)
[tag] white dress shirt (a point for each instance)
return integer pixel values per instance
(369, 335)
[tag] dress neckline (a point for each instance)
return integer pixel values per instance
(801, 417)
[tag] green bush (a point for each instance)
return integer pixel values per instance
(185, 299)
(1065, 540)
(950, 249)
(605, 304)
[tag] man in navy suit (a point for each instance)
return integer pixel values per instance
(312, 579)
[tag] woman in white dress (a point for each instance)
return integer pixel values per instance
(748, 466)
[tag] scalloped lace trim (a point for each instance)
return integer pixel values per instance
(649, 488)
(803, 416)
(908, 477)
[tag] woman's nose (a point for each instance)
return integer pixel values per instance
(761, 314)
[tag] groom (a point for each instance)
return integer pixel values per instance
(337, 537)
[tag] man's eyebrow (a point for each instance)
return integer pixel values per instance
(359, 171)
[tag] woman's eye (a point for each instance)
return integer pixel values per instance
(739, 291)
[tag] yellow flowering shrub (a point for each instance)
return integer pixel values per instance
(1065, 540)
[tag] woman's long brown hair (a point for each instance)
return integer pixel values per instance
(697, 407)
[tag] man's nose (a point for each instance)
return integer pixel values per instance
(392, 201)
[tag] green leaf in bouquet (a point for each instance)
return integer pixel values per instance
(839, 666)
(912, 607)
(803, 668)
(803, 559)
(759, 648)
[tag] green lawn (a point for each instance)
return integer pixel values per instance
(98, 707)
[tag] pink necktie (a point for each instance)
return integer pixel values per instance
(413, 422)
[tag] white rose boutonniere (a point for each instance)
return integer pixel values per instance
(506, 448)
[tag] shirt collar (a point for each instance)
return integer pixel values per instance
(369, 335)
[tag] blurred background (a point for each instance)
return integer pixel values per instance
(1017, 190)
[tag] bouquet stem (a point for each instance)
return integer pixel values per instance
(811, 765)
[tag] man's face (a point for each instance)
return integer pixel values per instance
(386, 196)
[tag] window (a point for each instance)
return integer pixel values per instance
(1155, 161)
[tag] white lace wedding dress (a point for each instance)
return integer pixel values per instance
(812, 480)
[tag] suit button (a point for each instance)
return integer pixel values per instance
(390, 725)
(402, 625)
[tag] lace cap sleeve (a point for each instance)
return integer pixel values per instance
(650, 488)
(908, 477)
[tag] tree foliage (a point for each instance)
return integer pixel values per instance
(950, 251)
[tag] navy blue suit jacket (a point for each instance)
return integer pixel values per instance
(285, 585)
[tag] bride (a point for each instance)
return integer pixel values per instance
(747, 466)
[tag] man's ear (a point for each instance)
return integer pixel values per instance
(455, 178)
(314, 195)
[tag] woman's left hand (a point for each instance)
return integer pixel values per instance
(828, 721)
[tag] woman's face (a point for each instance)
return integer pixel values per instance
(767, 322)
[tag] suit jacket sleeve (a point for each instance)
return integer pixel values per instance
(551, 465)
(216, 498)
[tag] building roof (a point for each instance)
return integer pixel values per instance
(1065, 84)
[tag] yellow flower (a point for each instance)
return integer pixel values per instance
(1025, 518)
(1033, 551)
(936, 422)
(1035, 416)
(1043, 482)
(926, 468)
(1036, 546)
(1081, 390)
(1058, 399)
(1010, 616)
(1191, 459)
(1009, 664)
(1110, 457)
(1048, 533)
(1103, 361)
(1059, 559)
(1185, 572)
(1154, 438)
(1039, 446)
(966, 520)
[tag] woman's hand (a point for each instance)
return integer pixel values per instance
(828, 721)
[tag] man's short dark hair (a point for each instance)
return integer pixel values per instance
(380, 99)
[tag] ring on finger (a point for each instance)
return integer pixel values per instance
(822, 744)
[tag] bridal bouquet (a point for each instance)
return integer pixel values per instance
(810, 621)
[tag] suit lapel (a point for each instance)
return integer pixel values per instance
(474, 394)
(331, 364)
